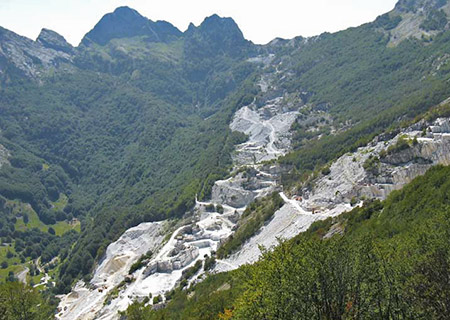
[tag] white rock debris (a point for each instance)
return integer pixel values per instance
(268, 130)
(85, 301)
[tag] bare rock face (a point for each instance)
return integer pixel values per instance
(32, 57)
(52, 40)
(232, 193)
(150, 269)
(120, 255)
(418, 5)
(372, 172)
(182, 259)
(268, 129)
(414, 17)
(243, 188)
(185, 257)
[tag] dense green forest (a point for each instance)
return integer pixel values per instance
(390, 260)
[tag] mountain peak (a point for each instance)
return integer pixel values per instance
(125, 22)
(216, 34)
(217, 23)
(125, 10)
(53, 40)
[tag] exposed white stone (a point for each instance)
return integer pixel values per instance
(85, 301)
(333, 193)
(30, 56)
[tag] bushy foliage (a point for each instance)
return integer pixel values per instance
(140, 263)
(20, 302)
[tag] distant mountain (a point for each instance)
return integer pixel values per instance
(216, 35)
(125, 22)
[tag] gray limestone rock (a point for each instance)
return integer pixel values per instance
(32, 57)
(52, 40)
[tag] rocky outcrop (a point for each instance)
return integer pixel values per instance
(181, 260)
(120, 255)
(413, 16)
(215, 35)
(418, 5)
(383, 166)
(52, 40)
(232, 193)
(31, 57)
(86, 300)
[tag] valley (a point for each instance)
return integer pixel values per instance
(151, 173)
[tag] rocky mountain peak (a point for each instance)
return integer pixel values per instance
(52, 40)
(125, 22)
(218, 28)
(34, 57)
(215, 35)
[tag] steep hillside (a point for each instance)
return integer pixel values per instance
(386, 259)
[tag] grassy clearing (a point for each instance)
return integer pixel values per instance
(20, 210)
(14, 264)
(60, 204)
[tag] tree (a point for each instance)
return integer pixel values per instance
(20, 302)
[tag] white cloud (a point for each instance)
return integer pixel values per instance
(260, 20)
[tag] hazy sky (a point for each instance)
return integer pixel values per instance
(260, 20)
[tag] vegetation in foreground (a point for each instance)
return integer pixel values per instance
(20, 302)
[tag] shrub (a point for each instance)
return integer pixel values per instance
(157, 299)
(326, 171)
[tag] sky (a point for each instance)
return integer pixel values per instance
(260, 20)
